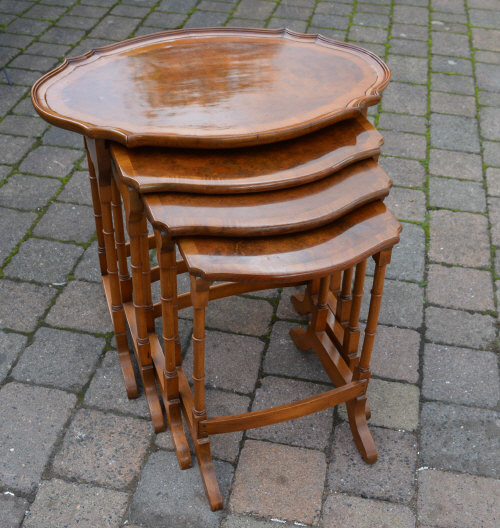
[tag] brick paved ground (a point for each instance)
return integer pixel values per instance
(74, 451)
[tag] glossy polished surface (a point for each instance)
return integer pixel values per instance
(275, 212)
(255, 169)
(306, 255)
(211, 87)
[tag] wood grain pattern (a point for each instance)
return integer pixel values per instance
(335, 246)
(211, 87)
(276, 212)
(263, 168)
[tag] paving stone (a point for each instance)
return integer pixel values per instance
(329, 8)
(444, 82)
(47, 50)
(356, 512)
(254, 9)
(240, 315)
(13, 226)
(409, 47)
(107, 390)
(12, 510)
(460, 438)
(50, 161)
(58, 358)
(15, 41)
(14, 7)
(446, 64)
(408, 257)
(166, 496)
(309, 431)
(69, 504)
(459, 238)
(215, 5)
(459, 328)
(279, 481)
(406, 98)
(401, 304)
(20, 77)
(393, 404)
(462, 105)
(23, 304)
(283, 357)
(82, 306)
(411, 14)
(407, 204)
(114, 28)
(443, 495)
(26, 26)
(453, 6)
(491, 153)
(165, 20)
(88, 267)
(62, 138)
(239, 521)
(408, 69)
(395, 354)
(27, 192)
(219, 403)
(455, 287)
(488, 98)
(488, 76)
(404, 144)
(452, 44)
(14, 148)
(402, 122)
(77, 189)
(489, 120)
(206, 19)
(88, 11)
(460, 375)
(455, 164)
(294, 12)
(372, 8)
(285, 306)
(224, 355)
(10, 347)
(367, 34)
(43, 261)
(4, 170)
(456, 194)
(330, 21)
(23, 125)
(59, 35)
(488, 39)
(491, 57)
(245, 22)
(410, 31)
(409, 173)
(103, 449)
(33, 62)
(493, 181)
(67, 222)
(300, 26)
(454, 132)
(391, 478)
(31, 418)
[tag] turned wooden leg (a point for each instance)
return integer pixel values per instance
(302, 302)
(199, 294)
(344, 299)
(121, 250)
(135, 223)
(357, 408)
(171, 397)
(99, 165)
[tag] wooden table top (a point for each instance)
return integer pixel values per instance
(251, 169)
(211, 88)
(275, 212)
(306, 255)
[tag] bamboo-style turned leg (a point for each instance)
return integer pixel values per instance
(99, 162)
(344, 299)
(146, 367)
(351, 332)
(356, 409)
(171, 397)
(146, 275)
(121, 250)
(199, 294)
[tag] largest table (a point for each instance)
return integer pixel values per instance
(214, 88)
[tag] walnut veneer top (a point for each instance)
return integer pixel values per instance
(211, 88)
(254, 169)
(305, 255)
(275, 212)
